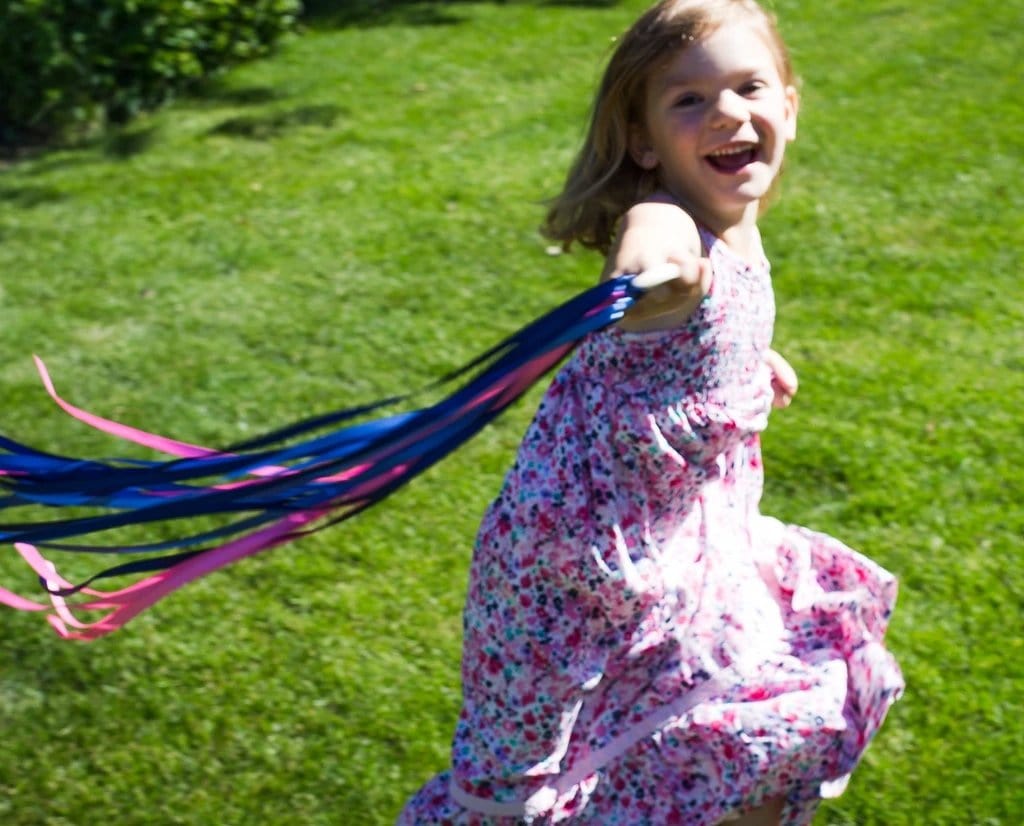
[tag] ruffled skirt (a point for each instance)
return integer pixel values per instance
(792, 724)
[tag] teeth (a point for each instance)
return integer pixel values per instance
(732, 150)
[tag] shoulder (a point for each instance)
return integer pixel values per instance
(664, 215)
(652, 232)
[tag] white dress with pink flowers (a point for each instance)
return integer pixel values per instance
(642, 646)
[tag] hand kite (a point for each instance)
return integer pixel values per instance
(272, 489)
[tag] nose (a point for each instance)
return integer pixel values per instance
(729, 109)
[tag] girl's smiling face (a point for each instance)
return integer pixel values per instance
(717, 120)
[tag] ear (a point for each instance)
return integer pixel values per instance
(640, 148)
(792, 107)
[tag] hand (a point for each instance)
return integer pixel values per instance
(784, 383)
(652, 235)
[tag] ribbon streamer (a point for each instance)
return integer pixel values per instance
(269, 490)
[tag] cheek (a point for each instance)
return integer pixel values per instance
(781, 125)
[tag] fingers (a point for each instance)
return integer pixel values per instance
(681, 275)
(781, 398)
(784, 380)
(672, 290)
(657, 275)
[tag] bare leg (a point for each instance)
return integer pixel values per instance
(770, 814)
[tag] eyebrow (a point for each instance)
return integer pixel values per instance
(672, 81)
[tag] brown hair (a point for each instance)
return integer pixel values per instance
(604, 181)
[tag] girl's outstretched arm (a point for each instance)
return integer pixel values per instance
(653, 233)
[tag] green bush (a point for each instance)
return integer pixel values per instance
(73, 63)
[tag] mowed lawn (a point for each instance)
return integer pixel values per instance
(357, 215)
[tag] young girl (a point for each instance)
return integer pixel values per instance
(642, 646)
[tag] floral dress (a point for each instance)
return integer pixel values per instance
(641, 645)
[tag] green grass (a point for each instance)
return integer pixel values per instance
(357, 215)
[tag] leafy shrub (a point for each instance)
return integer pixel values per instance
(68, 63)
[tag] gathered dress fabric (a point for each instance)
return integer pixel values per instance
(641, 644)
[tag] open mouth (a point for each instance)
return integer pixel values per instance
(734, 157)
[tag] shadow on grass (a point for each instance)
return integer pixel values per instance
(218, 93)
(126, 142)
(272, 124)
(29, 196)
(341, 13)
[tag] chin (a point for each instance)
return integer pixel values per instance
(752, 190)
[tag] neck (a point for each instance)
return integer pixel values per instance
(742, 240)
(738, 230)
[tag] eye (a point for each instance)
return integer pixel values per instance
(686, 99)
(752, 87)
